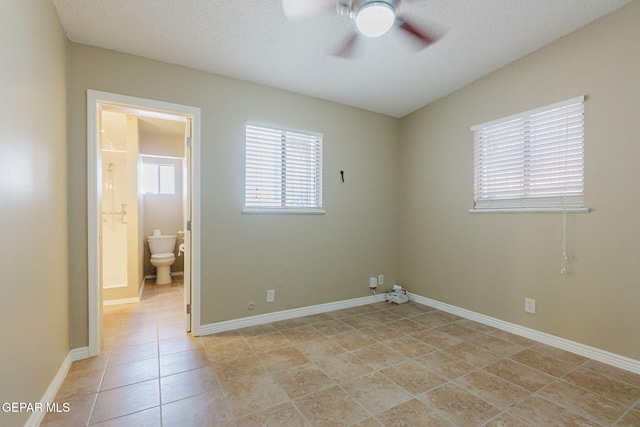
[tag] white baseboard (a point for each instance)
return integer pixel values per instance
(49, 395)
(260, 319)
(173, 274)
(603, 356)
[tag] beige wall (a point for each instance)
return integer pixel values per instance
(307, 259)
(489, 263)
(34, 335)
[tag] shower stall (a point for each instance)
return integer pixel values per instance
(114, 219)
(121, 245)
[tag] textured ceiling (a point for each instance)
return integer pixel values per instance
(252, 40)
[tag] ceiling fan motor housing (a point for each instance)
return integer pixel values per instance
(351, 8)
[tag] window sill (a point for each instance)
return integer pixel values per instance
(283, 211)
(529, 210)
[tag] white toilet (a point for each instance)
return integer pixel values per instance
(162, 256)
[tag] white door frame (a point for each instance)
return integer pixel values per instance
(155, 109)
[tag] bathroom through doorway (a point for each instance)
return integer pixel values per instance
(143, 181)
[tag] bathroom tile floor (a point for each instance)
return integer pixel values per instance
(374, 365)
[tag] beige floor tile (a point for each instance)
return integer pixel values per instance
(361, 321)
(79, 383)
(330, 407)
(302, 380)
(410, 347)
(445, 365)
(78, 414)
(583, 402)
(353, 340)
(471, 354)
(521, 375)
(494, 390)
(505, 420)
(283, 358)
(476, 326)
(379, 356)
(133, 353)
(604, 386)
(184, 361)
(332, 327)
(385, 316)
(178, 344)
(413, 377)
(228, 349)
(542, 362)
(411, 309)
(252, 331)
(283, 415)
(538, 412)
(395, 365)
(90, 364)
(376, 393)
(460, 332)
(239, 369)
(381, 333)
(497, 345)
(630, 419)
(458, 405)
(147, 418)
(289, 324)
(431, 320)
(124, 340)
(565, 356)
(267, 342)
(253, 394)
(320, 348)
(613, 372)
(437, 338)
(369, 422)
(125, 400)
(408, 326)
(130, 373)
(171, 331)
(516, 339)
(206, 409)
(187, 384)
(413, 414)
(302, 333)
(343, 367)
(316, 318)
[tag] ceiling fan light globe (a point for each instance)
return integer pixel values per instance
(375, 18)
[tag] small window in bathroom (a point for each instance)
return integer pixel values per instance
(158, 179)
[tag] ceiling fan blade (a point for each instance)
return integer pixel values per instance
(424, 37)
(346, 51)
(296, 10)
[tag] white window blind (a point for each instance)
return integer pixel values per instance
(531, 161)
(283, 169)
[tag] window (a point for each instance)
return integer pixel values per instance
(283, 170)
(531, 161)
(158, 179)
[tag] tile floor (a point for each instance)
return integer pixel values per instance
(375, 365)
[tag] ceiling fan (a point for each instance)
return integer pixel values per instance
(372, 18)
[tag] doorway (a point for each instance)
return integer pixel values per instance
(145, 111)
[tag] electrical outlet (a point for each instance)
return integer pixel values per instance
(373, 282)
(381, 279)
(271, 295)
(530, 305)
